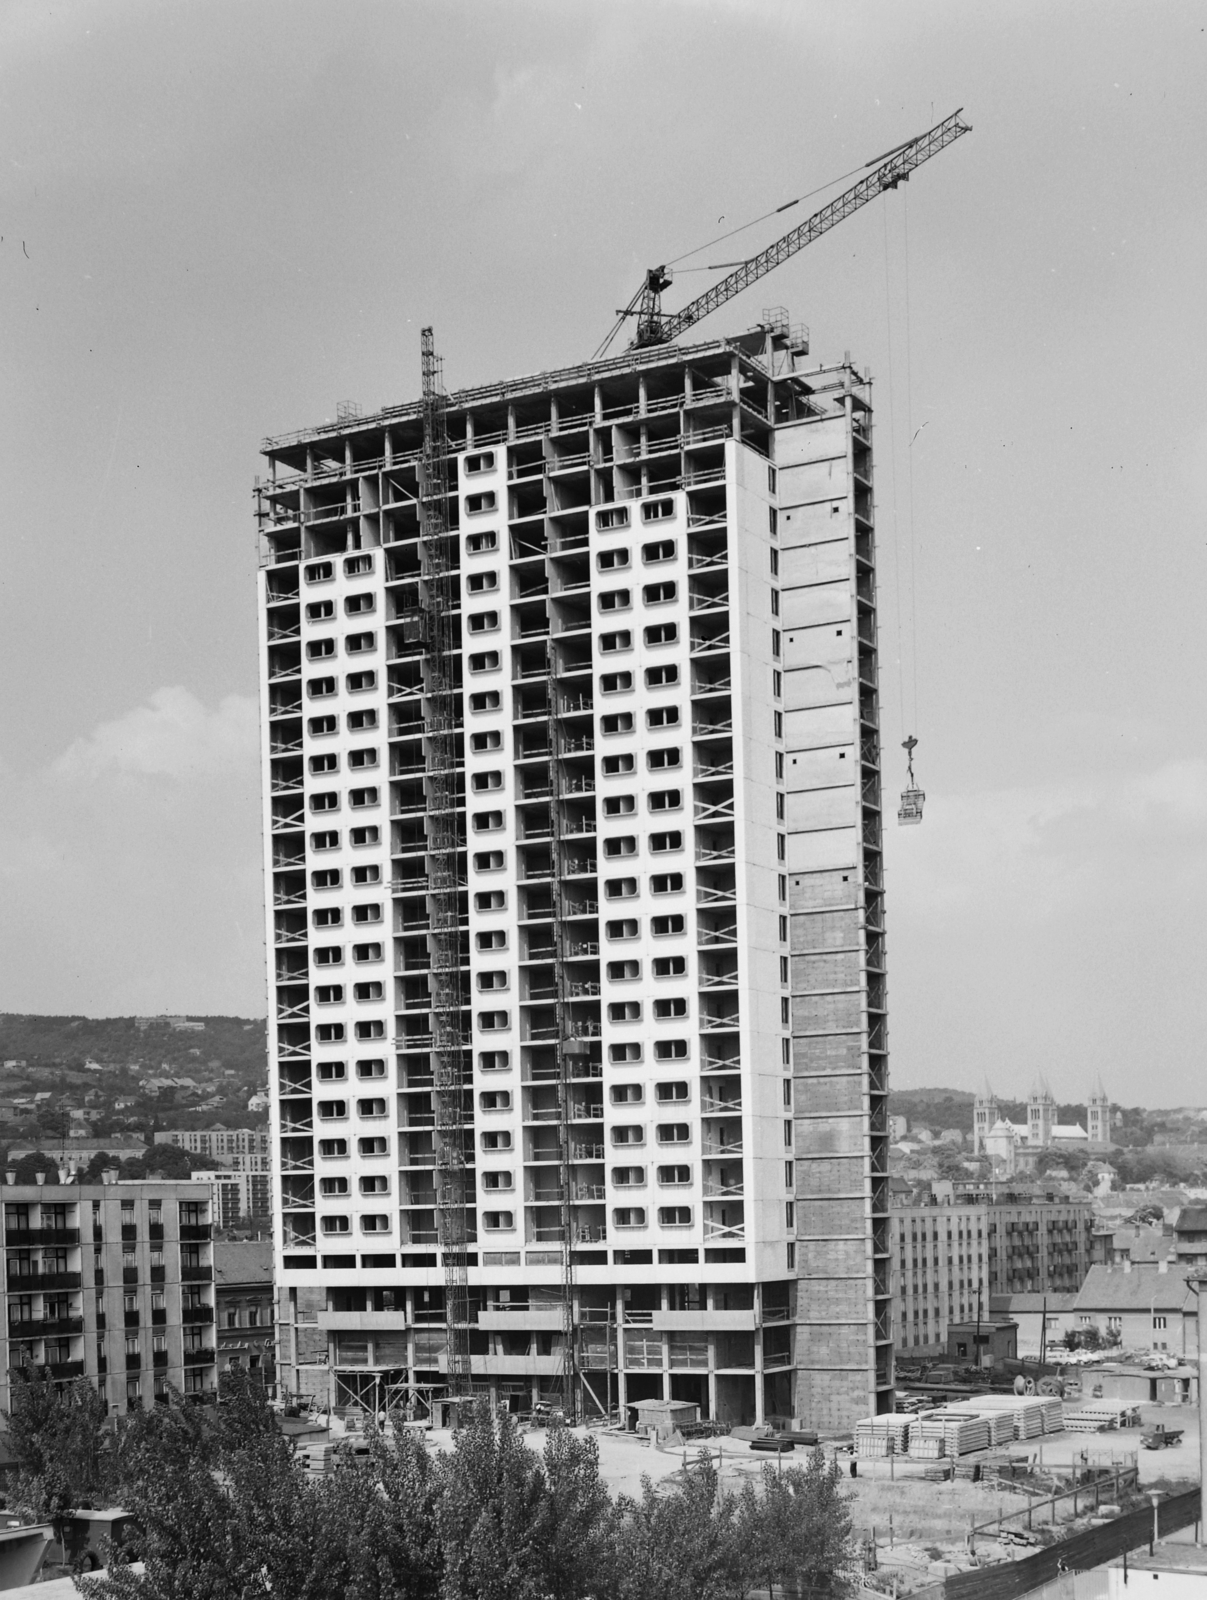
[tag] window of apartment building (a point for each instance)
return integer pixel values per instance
(483, 461)
(665, 800)
(485, 700)
(624, 1011)
(320, 610)
(619, 805)
(662, 717)
(624, 971)
(661, 633)
(622, 639)
(661, 677)
(670, 1050)
(324, 763)
(658, 594)
(658, 550)
(481, 582)
(624, 1055)
(484, 661)
(616, 722)
(657, 510)
(615, 682)
(477, 543)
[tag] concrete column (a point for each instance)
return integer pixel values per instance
(758, 1375)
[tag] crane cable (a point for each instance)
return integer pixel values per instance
(721, 266)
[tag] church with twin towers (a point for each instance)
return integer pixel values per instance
(995, 1135)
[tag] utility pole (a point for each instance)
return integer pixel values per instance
(1195, 1285)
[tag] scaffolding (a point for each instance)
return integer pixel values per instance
(441, 705)
(570, 1050)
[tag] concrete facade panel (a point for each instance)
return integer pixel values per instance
(814, 852)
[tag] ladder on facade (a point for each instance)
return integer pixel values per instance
(569, 1048)
(442, 705)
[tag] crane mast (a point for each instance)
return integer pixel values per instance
(655, 327)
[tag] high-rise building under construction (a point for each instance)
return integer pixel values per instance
(573, 839)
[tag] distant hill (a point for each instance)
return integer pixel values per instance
(933, 1108)
(67, 1042)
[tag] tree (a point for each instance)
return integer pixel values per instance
(580, 1523)
(492, 1513)
(61, 1439)
(384, 1511)
(37, 1161)
(681, 1546)
(223, 1506)
(798, 1532)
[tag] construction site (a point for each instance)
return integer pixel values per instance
(579, 1038)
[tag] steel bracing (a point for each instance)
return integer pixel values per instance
(442, 715)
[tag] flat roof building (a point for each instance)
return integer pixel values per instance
(952, 1255)
(573, 832)
(112, 1282)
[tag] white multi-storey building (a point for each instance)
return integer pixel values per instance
(662, 602)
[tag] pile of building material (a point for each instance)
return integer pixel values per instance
(885, 1435)
(1033, 1415)
(999, 1422)
(958, 1432)
(1100, 1415)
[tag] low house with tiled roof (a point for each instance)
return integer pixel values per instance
(1190, 1236)
(1029, 1311)
(1150, 1307)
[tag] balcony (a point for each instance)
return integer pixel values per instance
(201, 1357)
(45, 1327)
(200, 1274)
(16, 1237)
(32, 1282)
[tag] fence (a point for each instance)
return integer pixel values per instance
(1014, 1579)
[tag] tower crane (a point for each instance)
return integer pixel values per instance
(654, 326)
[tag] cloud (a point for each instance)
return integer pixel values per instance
(132, 867)
(1054, 928)
(173, 737)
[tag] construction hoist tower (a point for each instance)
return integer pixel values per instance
(571, 1051)
(442, 715)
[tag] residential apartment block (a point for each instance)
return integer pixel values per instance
(113, 1282)
(242, 1149)
(950, 1256)
(572, 806)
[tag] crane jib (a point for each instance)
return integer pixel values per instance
(654, 328)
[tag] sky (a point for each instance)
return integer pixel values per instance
(218, 221)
